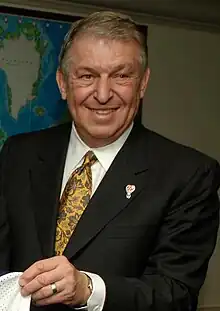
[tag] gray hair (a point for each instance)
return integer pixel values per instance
(106, 24)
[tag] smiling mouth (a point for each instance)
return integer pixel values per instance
(103, 111)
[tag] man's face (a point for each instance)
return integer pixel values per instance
(103, 87)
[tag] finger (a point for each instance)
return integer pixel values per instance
(58, 298)
(47, 291)
(39, 267)
(42, 281)
(65, 294)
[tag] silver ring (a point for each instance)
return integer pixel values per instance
(54, 288)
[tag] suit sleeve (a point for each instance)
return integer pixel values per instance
(177, 267)
(4, 226)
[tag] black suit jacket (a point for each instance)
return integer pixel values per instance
(152, 250)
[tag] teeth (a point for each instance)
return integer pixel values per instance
(102, 109)
(106, 111)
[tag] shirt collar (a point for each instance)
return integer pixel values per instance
(105, 155)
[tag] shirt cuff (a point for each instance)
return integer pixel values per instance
(97, 298)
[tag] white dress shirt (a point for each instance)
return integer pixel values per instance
(105, 155)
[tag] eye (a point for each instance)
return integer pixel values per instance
(121, 76)
(86, 77)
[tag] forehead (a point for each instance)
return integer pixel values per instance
(102, 52)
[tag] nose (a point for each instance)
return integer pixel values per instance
(103, 92)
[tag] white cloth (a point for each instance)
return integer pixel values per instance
(10, 295)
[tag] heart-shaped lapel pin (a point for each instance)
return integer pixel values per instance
(129, 190)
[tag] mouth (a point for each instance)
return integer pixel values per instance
(103, 112)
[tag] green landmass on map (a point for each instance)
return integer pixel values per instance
(30, 30)
(3, 136)
(1, 30)
(9, 99)
(12, 35)
(39, 111)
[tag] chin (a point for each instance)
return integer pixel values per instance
(102, 131)
(101, 135)
(100, 138)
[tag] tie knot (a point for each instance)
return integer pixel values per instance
(89, 158)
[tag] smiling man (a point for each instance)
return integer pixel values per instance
(103, 83)
(102, 213)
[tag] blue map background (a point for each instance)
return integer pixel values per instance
(52, 109)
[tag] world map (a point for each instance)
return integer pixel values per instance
(29, 96)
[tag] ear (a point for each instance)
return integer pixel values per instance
(62, 84)
(144, 82)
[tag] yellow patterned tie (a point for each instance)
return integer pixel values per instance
(74, 200)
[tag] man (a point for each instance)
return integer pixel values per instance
(104, 214)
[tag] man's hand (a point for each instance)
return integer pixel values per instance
(71, 284)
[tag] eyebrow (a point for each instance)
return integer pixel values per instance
(128, 66)
(86, 69)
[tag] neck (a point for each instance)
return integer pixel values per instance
(96, 142)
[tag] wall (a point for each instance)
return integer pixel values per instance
(183, 103)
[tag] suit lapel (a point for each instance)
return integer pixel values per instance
(46, 179)
(129, 167)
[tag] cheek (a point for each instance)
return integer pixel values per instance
(77, 97)
(130, 91)
(129, 96)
